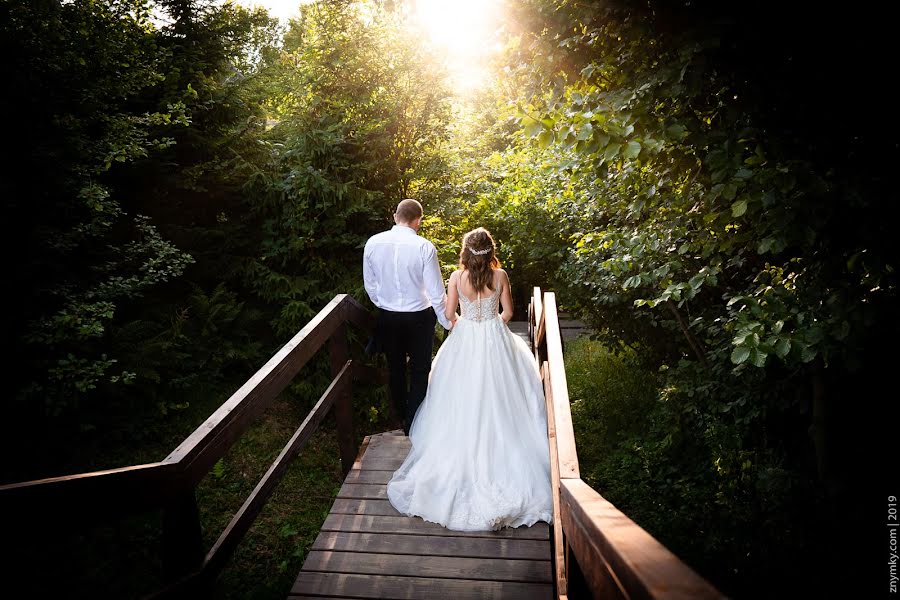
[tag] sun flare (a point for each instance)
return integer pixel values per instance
(466, 30)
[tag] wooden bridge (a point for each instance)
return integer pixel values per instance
(365, 549)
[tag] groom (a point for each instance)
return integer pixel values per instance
(403, 279)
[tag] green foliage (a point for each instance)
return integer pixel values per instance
(674, 461)
(610, 395)
(359, 117)
(85, 64)
(185, 192)
(192, 348)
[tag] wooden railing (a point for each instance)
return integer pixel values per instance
(170, 484)
(594, 543)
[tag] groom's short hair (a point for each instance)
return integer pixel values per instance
(408, 210)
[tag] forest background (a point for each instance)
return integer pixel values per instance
(710, 186)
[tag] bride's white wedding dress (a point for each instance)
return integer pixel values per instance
(480, 457)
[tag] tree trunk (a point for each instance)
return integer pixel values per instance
(694, 343)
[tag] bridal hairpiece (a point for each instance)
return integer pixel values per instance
(479, 252)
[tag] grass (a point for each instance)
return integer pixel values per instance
(267, 561)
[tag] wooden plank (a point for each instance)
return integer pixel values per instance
(392, 440)
(364, 490)
(520, 328)
(360, 476)
(383, 524)
(209, 442)
(385, 450)
(388, 586)
(565, 435)
(357, 464)
(380, 464)
(449, 567)
(426, 545)
(359, 506)
(611, 547)
(559, 561)
(246, 514)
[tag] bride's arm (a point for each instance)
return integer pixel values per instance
(505, 298)
(452, 298)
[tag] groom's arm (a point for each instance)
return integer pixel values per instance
(434, 285)
(369, 279)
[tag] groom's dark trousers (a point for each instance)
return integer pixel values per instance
(407, 334)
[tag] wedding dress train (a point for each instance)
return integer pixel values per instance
(480, 457)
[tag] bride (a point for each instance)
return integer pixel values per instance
(480, 456)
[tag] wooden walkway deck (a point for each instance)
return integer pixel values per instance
(366, 549)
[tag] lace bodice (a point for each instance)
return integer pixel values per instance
(482, 308)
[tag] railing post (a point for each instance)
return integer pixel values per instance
(182, 537)
(537, 313)
(339, 352)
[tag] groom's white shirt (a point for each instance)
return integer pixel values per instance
(401, 273)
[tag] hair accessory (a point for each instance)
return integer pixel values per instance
(479, 252)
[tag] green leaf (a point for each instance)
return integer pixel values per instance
(740, 354)
(532, 127)
(730, 191)
(738, 208)
(782, 347)
(585, 131)
(632, 149)
(544, 139)
(612, 151)
(676, 132)
(807, 353)
(758, 358)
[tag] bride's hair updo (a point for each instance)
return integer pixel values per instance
(478, 256)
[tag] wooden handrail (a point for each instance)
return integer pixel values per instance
(559, 559)
(565, 434)
(640, 566)
(170, 484)
(93, 496)
(210, 441)
(615, 557)
(217, 557)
